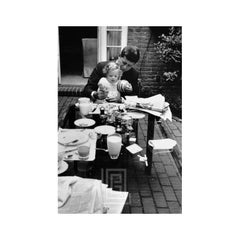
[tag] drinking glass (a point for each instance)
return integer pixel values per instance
(83, 151)
(114, 144)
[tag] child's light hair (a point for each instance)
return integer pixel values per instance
(111, 66)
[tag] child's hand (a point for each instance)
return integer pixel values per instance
(102, 87)
(102, 92)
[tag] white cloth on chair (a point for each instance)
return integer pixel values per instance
(65, 189)
(83, 195)
(162, 144)
(80, 195)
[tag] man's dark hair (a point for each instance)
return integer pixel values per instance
(132, 53)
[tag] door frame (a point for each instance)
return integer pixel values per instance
(102, 45)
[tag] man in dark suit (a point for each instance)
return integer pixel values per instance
(128, 58)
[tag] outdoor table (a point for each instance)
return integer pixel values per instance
(102, 160)
(73, 114)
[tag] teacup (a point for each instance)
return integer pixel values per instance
(85, 108)
(84, 105)
(84, 100)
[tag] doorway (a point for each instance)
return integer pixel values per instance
(74, 52)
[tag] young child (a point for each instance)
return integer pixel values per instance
(109, 83)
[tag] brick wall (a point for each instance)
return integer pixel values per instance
(63, 104)
(148, 65)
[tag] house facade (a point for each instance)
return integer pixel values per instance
(80, 48)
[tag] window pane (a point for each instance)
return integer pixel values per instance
(113, 38)
(113, 53)
(115, 27)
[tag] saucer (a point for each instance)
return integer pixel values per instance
(105, 129)
(63, 168)
(84, 122)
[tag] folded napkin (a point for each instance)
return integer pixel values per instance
(162, 144)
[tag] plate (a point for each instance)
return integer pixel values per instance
(105, 129)
(66, 138)
(84, 122)
(136, 115)
(63, 168)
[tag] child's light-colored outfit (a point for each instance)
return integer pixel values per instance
(111, 87)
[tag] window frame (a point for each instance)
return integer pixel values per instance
(102, 41)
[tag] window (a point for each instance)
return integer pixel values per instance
(111, 40)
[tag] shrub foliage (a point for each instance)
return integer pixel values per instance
(169, 50)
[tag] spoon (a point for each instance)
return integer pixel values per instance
(105, 150)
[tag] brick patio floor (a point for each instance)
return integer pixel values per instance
(162, 191)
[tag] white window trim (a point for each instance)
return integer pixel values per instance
(124, 36)
(102, 41)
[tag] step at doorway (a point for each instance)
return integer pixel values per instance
(75, 80)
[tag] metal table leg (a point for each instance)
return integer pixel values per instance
(150, 135)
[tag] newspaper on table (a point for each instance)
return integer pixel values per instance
(154, 105)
